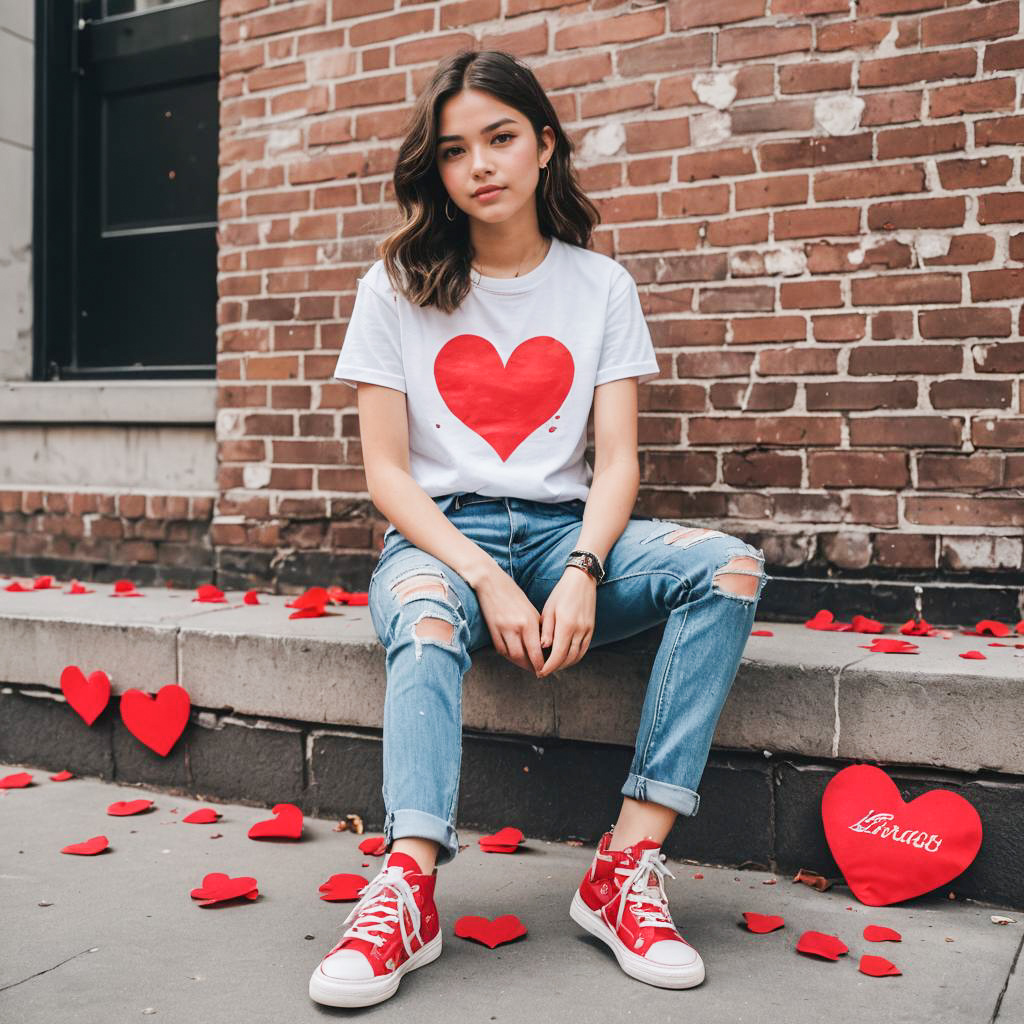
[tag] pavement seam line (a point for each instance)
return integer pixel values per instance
(1006, 983)
(47, 970)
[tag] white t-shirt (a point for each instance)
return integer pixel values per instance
(498, 392)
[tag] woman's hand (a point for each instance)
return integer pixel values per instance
(512, 620)
(567, 622)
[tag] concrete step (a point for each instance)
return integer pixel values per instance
(291, 710)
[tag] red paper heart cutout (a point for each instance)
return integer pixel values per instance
(19, 780)
(506, 840)
(339, 888)
(87, 696)
(889, 645)
(16, 587)
(125, 588)
(866, 820)
(79, 588)
(61, 776)
(490, 933)
(917, 627)
(989, 627)
(819, 944)
(252, 597)
(311, 598)
(314, 611)
(91, 846)
(209, 594)
(286, 824)
(761, 632)
(761, 923)
(862, 624)
(123, 808)
(218, 887)
(42, 583)
(825, 620)
(204, 816)
(374, 846)
(876, 933)
(974, 656)
(503, 403)
(158, 721)
(877, 966)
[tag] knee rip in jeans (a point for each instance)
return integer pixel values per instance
(429, 627)
(737, 566)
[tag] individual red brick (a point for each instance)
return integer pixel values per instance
(783, 430)
(762, 469)
(910, 431)
(905, 550)
(954, 472)
(971, 394)
(893, 359)
(858, 469)
(987, 432)
(896, 394)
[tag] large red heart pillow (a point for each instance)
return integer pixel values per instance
(503, 402)
(889, 850)
(156, 721)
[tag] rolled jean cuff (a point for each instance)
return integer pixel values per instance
(406, 823)
(680, 799)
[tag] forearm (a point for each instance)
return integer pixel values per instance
(610, 503)
(416, 516)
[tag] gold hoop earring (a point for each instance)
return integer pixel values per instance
(446, 202)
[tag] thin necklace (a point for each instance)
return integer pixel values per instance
(521, 262)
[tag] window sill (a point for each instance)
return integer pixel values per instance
(136, 401)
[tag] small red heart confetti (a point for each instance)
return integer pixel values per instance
(312, 612)
(889, 645)
(61, 776)
(16, 781)
(79, 588)
(204, 816)
(826, 620)
(877, 933)
(491, 933)
(339, 888)
(16, 587)
(218, 887)
(374, 846)
(286, 824)
(877, 966)
(158, 721)
(917, 627)
(252, 597)
(973, 655)
(362, 598)
(125, 588)
(761, 632)
(506, 840)
(87, 696)
(42, 583)
(122, 808)
(91, 846)
(761, 923)
(862, 624)
(209, 594)
(310, 598)
(820, 944)
(988, 627)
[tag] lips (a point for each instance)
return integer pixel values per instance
(486, 192)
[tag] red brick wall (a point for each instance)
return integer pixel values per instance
(831, 260)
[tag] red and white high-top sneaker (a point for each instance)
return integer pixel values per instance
(394, 928)
(622, 901)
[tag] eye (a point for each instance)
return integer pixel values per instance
(501, 135)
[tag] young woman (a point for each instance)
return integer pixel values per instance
(479, 344)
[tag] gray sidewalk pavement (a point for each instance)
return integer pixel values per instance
(116, 938)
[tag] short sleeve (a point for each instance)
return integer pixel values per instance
(627, 349)
(372, 350)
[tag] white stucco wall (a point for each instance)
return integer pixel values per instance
(17, 87)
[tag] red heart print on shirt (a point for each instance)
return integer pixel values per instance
(503, 403)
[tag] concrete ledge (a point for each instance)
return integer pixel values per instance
(105, 401)
(800, 692)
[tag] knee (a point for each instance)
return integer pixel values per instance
(740, 575)
(435, 626)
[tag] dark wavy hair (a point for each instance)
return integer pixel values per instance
(427, 257)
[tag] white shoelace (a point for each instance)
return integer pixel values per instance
(638, 889)
(374, 915)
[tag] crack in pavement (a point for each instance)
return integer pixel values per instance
(14, 984)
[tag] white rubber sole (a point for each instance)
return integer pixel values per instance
(334, 992)
(632, 963)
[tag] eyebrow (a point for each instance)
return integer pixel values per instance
(489, 128)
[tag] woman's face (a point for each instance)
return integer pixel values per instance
(495, 145)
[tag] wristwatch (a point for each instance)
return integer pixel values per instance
(587, 561)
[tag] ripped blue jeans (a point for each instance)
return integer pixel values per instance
(697, 581)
